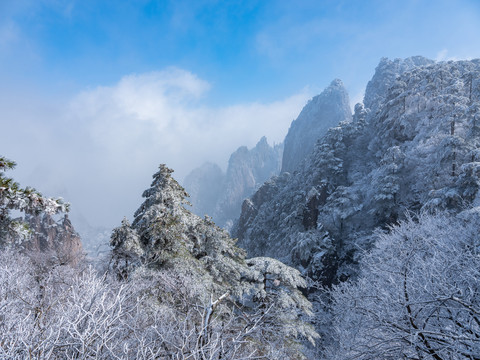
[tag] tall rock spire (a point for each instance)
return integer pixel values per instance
(321, 113)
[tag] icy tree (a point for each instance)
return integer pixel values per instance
(417, 296)
(258, 292)
(127, 251)
(75, 313)
(26, 200)
(386, 182)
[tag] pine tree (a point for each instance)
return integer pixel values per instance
(386, 182)
(164, 236)
(26, 200)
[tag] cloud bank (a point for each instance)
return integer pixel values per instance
(106, 142)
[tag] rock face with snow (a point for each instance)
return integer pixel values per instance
(412, 147)
(322, 112)
(385, 76)
(58, 238)
(247, 171)
(221, 195)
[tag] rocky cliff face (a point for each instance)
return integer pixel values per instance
(247, 171)
(321, 113)
(413, 148)
(57, 238)
(221, 195)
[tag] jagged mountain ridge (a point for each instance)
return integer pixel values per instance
(414, 147)
(219, 194)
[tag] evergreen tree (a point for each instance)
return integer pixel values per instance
(164, 236)
(26, 200)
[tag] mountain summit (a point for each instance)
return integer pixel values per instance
(413, 147)
(221, 195)
(321, 113)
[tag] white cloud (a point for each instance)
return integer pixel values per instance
(443, 56)
(161, 114)
(99, 148)
(161, 117)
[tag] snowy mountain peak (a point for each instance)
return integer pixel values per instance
(262, 143)
(220, 195)
(413, 147)
(321, 112)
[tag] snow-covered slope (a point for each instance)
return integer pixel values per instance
(413, 147)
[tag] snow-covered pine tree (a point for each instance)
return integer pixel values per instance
(164, 236)
(26, 200)
(386, 182)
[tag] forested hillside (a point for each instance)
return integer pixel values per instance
(411, 147)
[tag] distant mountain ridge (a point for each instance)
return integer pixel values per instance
(219, 194)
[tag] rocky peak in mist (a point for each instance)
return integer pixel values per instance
(219, 194)
(247, 171)
(322, 112)
(412, 147)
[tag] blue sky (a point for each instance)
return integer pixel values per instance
(96, 93)
(249, 50)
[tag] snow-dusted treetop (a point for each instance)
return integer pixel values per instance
(26, 200)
